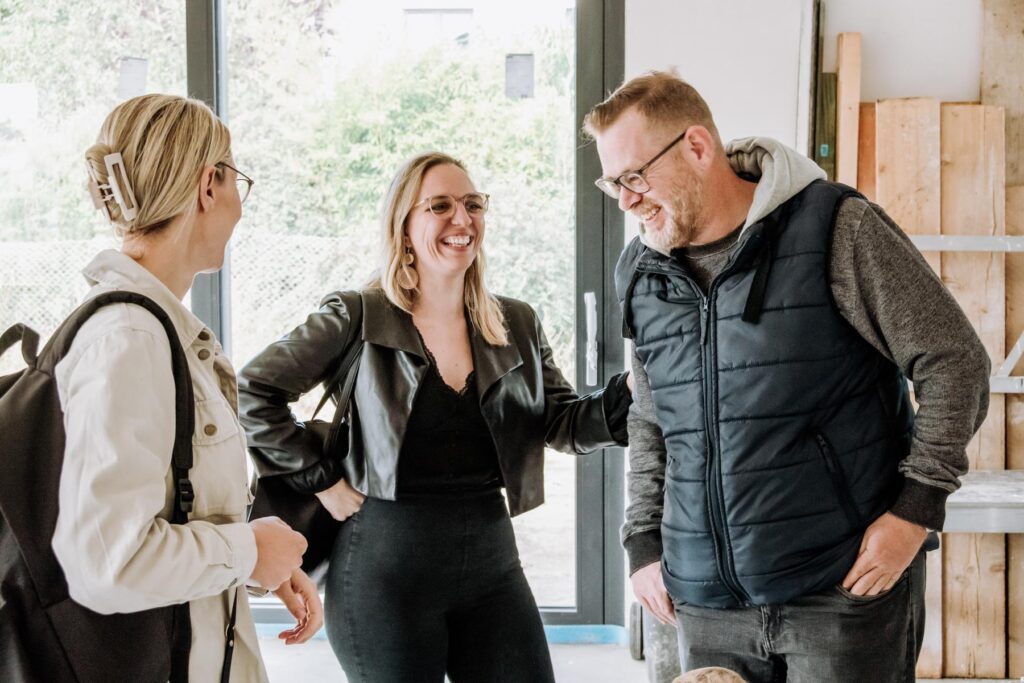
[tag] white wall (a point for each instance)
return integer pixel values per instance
(743, 55)
(910, 48)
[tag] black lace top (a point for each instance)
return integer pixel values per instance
(448, 446)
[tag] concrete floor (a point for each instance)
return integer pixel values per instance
(314, 661)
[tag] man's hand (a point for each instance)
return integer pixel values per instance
(649, 589)
(341, 500)
(889, 546)
(300, 596)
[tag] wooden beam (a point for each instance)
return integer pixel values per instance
(825, 124)
(847, 107)
(973, 203)
(907, 186)
(1015, 431)
(975, 609)
(867, 167)
(907, 179)
(1002, 84)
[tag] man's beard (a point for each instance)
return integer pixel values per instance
(684, 216)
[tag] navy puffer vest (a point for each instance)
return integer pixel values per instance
(783, 426)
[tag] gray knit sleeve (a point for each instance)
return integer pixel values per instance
(886, 290)
(645, 481)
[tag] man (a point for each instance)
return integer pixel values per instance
(781, 486)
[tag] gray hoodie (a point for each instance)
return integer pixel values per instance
(889, 294)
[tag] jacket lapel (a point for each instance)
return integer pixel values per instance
(492, 362)
(384, 324)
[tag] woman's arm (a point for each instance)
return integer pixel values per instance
(580, 424)
(280, 375)
(117, 553)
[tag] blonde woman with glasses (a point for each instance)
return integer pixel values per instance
(162, 173)
(456, 396)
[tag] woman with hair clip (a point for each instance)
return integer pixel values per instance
(162, 173)
(456, 396)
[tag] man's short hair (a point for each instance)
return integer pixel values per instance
(661, 97)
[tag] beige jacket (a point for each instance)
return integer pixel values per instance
(113, 538)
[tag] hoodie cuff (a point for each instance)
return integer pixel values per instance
(643, 549)
(921, 504)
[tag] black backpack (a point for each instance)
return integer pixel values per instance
(46, 636)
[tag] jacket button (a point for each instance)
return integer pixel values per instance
(204, 354)
(210, 429)
(204, 336)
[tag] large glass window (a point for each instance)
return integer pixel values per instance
(64, 64)
(324, 103)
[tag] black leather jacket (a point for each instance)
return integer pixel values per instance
(525, 400)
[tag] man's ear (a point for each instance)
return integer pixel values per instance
(207, 188)
(700, 147)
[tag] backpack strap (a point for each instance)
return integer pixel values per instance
(28, 337)
(184, 403)
(185, 424)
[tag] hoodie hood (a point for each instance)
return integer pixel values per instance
(781, 173)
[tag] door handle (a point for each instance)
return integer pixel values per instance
(590, 306)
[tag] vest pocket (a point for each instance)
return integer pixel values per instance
(835, 473)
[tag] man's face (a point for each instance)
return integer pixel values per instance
(671, 211)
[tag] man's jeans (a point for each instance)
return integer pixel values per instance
(832, 636)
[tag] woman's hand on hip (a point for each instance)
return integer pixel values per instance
(341, 500)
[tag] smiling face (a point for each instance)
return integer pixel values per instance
(671, 211)
(444, 246)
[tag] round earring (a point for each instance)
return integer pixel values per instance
(408, 278)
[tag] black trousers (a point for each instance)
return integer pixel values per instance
(422, 587)
(832, 636)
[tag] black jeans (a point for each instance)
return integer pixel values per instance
(832, 636)
(422, 587)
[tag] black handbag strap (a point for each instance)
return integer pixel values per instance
(339, 380)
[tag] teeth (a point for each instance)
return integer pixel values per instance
(649, 215)
(457, 240)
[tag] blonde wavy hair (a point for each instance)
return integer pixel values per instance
(166, 141)
(484, 309)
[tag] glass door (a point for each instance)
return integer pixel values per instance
(327, 99)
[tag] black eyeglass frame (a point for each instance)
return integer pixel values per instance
(611, 186)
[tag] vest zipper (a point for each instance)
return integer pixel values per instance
(716, 499)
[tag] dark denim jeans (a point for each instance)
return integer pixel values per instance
(423, 587)
(828, 637)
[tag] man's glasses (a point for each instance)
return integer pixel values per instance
(245, 183)
(634, 181)
(443, 205)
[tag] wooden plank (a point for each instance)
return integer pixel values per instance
(907, 180)
(973, 203)
(975, 610)
(847, 107)
(929, 662)
(907, 186)
(867, 167)
(1002, 84)
(1002, 75)
(1015, 606)
(825, 124)
(1015, 430)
